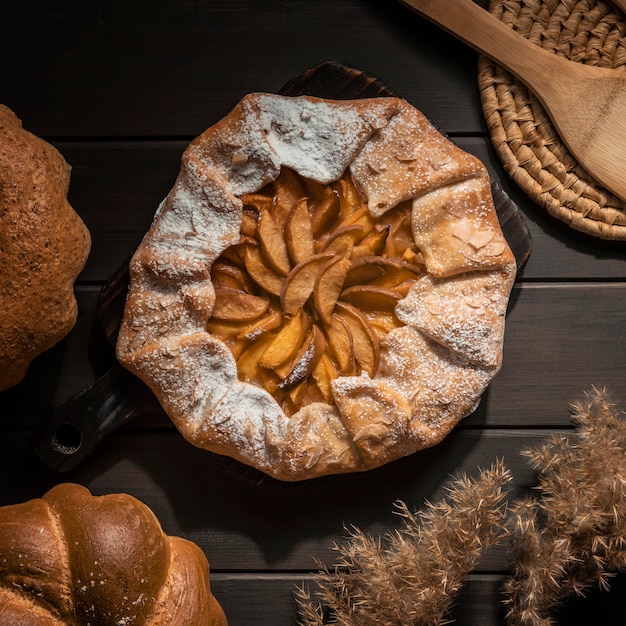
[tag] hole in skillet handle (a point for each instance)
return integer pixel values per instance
(67, 439)
(78, 425)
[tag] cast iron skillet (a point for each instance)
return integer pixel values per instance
(69, 435)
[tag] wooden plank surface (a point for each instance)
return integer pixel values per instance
(551, 357)
(128, 180)
(246, 524)
(480, 601)
(127, 69)
(120, 88)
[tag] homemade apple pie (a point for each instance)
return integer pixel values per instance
(324, 288)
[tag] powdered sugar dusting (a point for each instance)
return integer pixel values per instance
(464, 313)
(314, 138)
(201, 220)
(439, 383)
(245, 417)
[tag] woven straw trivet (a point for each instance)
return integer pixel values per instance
(586, 31)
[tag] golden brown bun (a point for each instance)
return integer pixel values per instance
(43, 247)
(429, 371)
(71, 558)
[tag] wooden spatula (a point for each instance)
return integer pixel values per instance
(586, 104)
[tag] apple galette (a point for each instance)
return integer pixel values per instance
(323, 290)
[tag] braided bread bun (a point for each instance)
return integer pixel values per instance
(43, 247)
(70, 558)
(323, 290)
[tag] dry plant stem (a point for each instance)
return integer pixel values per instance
(411, 576)
(572, 536)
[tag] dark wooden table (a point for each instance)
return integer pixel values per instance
(120, 88)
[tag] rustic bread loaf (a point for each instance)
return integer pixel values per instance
(71, 558)
(43, 247)
(323, 290)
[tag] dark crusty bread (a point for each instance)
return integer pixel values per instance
(43, 247)
(71, 558)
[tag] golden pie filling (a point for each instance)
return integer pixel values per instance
(309, 290)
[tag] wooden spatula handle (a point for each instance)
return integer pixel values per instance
(484, 32)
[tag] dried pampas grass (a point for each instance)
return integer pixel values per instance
(573, 535)
(413, 575)
(568, 537)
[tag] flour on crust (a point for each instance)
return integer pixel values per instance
(433, 368)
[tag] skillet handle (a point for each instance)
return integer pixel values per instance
(78, 425)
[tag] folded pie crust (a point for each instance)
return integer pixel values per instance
(433, 368)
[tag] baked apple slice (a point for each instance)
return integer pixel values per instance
(286, 342)
(260, 272)
(273, 244)
(300, 282)
(365, 342)
(299, 232)
(306, 359)
(371, 297)
(238, 306)
(329, 286)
